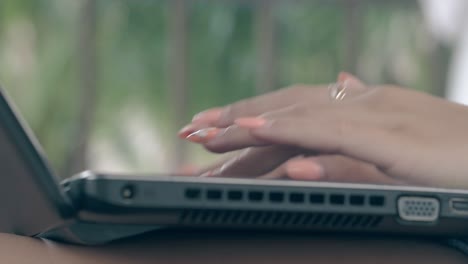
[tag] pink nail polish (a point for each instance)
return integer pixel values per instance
(203, 135)
(343, 76)
(250, 122)
(208, 116)
(186, 131)
(206, 174)
(351, 80)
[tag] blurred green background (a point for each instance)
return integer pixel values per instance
(106, 84)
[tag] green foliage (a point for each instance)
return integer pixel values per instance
(132, 47)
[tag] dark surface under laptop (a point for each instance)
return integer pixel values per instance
(93, 208)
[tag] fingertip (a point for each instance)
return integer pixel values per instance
(186, 131)
(350, 79)
(203, 135)
(304, 169)
(343, 76)
(207, 174)
(187, 170)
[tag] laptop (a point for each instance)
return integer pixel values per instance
(95, 208)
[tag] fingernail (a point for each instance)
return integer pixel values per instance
(343, 76)
(208, 116)
(303, 169)
(186, 131)
(207, 174)
(350, 79)
(203, 135)
(250, 122)
(187, 170)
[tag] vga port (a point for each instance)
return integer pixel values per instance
(418, 209)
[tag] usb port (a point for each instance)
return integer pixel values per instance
(460, 205)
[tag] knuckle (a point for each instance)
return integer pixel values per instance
(229, 112)
(232, 111)
(226, 115)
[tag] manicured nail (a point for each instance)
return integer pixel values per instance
(250, 122)
(207, 174)
(345, 77)
(208, 116)
(187, 130)
(187, 170)
(304, 169)
(203, 135)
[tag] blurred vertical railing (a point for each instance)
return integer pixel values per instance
(178, 73)
(352, 27)
(87, 82)
(440, 57)
(265, 33)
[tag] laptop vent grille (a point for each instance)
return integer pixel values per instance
(280, 197)
(200, 217)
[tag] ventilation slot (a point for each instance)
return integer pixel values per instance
(278, 219)
(279, 197)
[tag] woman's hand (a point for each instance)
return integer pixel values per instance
(410, 136)
(213, 122)
(249, 162)
(275, 161)
(278, 162)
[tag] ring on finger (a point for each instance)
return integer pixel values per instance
(338, 91)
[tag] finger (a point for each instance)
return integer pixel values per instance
(187, 170)
(253, 162)
(235, 137)
(190, 129)
(225, 116)
(336, 168)
(351, 80)
(209, 169)
(232, 138)
(279, 172)
(224, 140)
(238, 137)
(325, 132)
